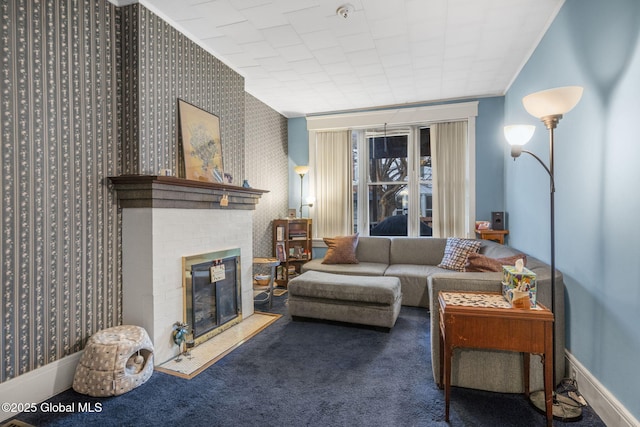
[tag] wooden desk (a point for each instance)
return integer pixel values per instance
(494, 235)
(486, 320)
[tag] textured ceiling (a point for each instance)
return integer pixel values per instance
(300, 57)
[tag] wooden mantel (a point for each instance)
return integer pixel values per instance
(156, 191)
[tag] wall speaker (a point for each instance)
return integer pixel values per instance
(497, 220)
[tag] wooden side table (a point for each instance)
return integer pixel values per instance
(493, 235)
(486, 320)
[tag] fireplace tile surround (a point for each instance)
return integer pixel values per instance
(156, 237)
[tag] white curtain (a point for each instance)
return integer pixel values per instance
(449, 157)
(332, 184)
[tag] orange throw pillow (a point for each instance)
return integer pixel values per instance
(341, 250)
(482, 263)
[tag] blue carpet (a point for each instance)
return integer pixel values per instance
(308, 374)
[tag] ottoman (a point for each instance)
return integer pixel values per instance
(115, 361)
(367, 300)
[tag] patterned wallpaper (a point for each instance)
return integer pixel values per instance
(161, 65)
(267, 169)
(90, 91)
(60, 226)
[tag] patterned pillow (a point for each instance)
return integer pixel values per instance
(482, 263)
(341, 250)
(456, 252)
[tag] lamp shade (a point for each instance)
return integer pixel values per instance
(518, 134)
(552, 102)
(301, 170)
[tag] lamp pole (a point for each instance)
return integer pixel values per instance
(301, 181)
(302, 171)
(551, 122)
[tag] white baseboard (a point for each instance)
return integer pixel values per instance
(608, 408)
(40, 384)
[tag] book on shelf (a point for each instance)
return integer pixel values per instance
(280, 253)
(280, 233)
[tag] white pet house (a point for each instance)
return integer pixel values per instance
(115, 361)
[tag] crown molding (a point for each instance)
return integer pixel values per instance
(120, 3)
(394, 116)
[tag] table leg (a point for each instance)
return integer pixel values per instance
(273, 275)
(526, 372)
(448, 352)
(441, 352)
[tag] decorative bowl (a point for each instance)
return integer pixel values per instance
(262, 279)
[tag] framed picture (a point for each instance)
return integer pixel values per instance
(292, 213)
(201, 144)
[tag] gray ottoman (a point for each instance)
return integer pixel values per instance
(367, 300)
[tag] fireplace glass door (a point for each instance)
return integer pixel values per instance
(211, 297)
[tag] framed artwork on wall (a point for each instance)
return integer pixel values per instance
(201, 144)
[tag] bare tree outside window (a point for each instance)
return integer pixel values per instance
(387, 181)
(388, 165)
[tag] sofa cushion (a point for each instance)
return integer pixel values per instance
(414, 281)
(338, 287)
(496, 250)
(341, 250)
(417, 250)
(482, 263)
(373, 249)
(456, 252)
(360, 269)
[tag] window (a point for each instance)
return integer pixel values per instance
(394, 178)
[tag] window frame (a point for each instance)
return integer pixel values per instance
(412, 183)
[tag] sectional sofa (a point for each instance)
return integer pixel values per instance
(415, 262)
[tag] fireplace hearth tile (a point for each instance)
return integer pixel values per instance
(209, 352)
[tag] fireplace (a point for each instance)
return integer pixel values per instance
(212, 295)
(163, 219)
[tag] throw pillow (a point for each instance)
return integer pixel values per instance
(456, 252)
(482, 263)
(341, 250)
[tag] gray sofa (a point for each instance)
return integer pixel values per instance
(414, 260)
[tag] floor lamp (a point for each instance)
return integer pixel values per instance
(549, 106)
(302, 171)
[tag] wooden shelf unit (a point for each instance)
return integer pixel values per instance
(292, 245)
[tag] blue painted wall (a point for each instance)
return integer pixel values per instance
(593, 44)
(298, 156)
(489, 158)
